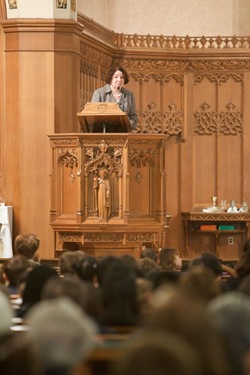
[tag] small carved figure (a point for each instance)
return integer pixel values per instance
(12, 4)
(62, 4)
(102, 186)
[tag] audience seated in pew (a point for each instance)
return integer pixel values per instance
(159, 354)
(125, 304)
(185, 316)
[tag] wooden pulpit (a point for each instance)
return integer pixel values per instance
(103, 117)
(108, 190)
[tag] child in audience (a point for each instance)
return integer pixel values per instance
(27, 245)
(169, 259)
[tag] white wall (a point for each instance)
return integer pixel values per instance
(98, 10)
(168, 17)
(38, 9)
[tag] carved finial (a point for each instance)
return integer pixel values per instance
(151, 106)
(205, 106)
(103, 146)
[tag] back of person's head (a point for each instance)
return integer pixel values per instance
(149, 253)
(246, 246)
(120, 304)
(34, 284)
(208, 260)
(186, 317)
(129, 260)
(6, 315)
(17, 355)
(69, 261)
(167, 257)
(146, 265)
(13, 269)
(104, 264)
(230, 314)
(144, 292)
(158, 354)
(243, 265)
(166, 277)
(199, 282)
(86, 269)
(27, 245)
(62, 334)
(67, 286)
(244, 286)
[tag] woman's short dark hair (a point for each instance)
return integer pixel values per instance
(114, 69)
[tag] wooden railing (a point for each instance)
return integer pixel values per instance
(121, 40)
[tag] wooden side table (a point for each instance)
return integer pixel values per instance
(194, 220)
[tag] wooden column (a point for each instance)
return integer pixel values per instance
(41, 95)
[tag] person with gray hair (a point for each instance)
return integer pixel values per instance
(230, 314)
(62, 335)
(6, 314)
(16, 354)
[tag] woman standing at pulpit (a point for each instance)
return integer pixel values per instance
(114, 91)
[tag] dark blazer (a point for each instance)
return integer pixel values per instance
(127, 102)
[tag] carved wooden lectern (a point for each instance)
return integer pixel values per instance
(108, 192)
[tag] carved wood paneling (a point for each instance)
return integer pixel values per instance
(200, 101)
(136, 213)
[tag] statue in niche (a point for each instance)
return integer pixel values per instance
(102, 194)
